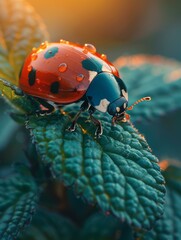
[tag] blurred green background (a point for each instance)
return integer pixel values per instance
(116, 28)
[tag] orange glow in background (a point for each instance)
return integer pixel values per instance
(116, 27)
(98, 20)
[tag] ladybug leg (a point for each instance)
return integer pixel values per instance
(83, 108)
(49, 108)
(99, 129)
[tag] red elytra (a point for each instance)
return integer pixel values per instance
(55, 72)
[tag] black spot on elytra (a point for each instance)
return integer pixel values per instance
(92, 65)
(32, 77)
(54, 88)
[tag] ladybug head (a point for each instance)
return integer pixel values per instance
(119, 107)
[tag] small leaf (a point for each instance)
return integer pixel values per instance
(21, 29)
(50, 226)
(153, 76)
(18, 200)
(118, 171)
(168, 227)
(101, 227)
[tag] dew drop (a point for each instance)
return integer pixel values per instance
(90, 48)
(80, 77)
(64, 41)
(103, 56)
(59, 78)
(85, 51)
(34, 56)
(34, 49)
(29, 68)
(44, 45)
(62, 67)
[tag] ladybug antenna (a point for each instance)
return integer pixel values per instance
(138, 101)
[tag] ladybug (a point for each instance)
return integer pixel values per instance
(62, 73)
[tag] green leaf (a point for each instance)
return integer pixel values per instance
(50, 226)
(101, 227)
(18, 200)
(21, 29)
(152, 76)
(118, 171)
(168, 227)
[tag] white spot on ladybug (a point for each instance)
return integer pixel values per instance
(124, 105)
(90, 48)
(125, 94)
(92, 75)
(62, 67)
(118, 109)
(106, 68)
(103, 105)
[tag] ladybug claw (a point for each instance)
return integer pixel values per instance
(71, 129)
(98, 132)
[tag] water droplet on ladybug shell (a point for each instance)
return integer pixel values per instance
(85, 51)
(59, 78)
(80, 77)
(64, 41)
(90, 48)
(34, 49)
(44, 45)
(34, 56)
(103, 56)
(62, 67)
(29, 68)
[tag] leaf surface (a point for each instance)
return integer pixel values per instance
(168, 227)
(50, 226)
(152, 76)
(101, 227)
(118, 172)
(18, 201)
(21, 29)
